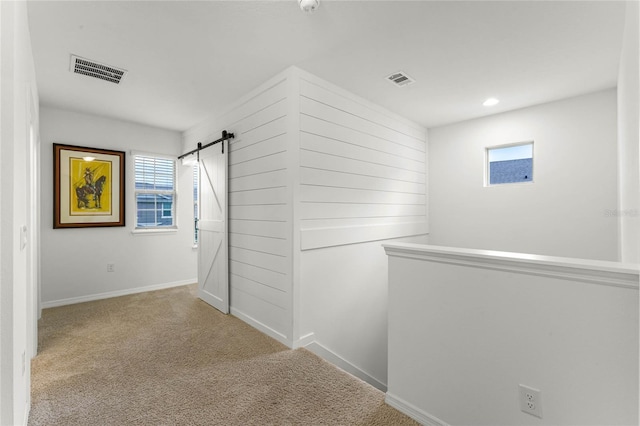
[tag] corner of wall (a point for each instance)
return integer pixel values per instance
(19, 125)
(293, 191)
(628, 138)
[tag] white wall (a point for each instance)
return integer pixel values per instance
(259, 211)
(467, 327)
(343, 306)
(74, 260)
(568, 211)
(628, 137)
(362, 175)
(18, 283)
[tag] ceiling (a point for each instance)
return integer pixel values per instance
(188, 60)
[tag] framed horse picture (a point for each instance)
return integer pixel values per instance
(88, 187)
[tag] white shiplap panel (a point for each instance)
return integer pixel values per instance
(264, 276)
(265, 164)
(327, 237)
(270, 295)
(262, 180)
(338, 210)
(342, 149)
(259, 313)
(259, 196)
(275, 246)
(261, 149)
(325, 194)
(343, 223)
(267, 131)
(343, 179)
(262, 98)
(259, 228)
(268, 213)
(309, 224)
(239, 117)
(330, 130)
(363, 170)
(258, 120)
(259, 235)
(324, 161)
(266, 261)
(359, 109)
(333, 115)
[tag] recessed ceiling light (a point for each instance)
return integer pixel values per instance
(490, 102)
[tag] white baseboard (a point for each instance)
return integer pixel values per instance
(412, 411)
(27, 411)
(304, 341)
(262, 327)
(342, 363)
(117, 293)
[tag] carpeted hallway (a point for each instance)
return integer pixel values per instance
(167, 358)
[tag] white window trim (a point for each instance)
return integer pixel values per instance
(163, 230)
(132, 170)
(509, 145)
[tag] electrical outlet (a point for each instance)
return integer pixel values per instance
(530, 400)
(111, 267)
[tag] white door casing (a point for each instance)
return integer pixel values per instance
(213, 260)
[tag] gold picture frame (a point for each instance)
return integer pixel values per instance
(88, 187)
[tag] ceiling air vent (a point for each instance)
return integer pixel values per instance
(400, 79)
(96, 69)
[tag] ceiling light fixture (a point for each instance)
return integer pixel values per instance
(308, 6)
(490, 102)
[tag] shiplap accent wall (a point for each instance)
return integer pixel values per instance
(313, 166)
(362, 170)
(259, 207)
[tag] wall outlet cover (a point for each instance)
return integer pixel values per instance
(530, 400)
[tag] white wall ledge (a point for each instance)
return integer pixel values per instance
(589, 271)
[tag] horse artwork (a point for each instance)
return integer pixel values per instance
(90, 183)
(90, 189)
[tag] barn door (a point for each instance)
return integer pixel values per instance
(213, 275)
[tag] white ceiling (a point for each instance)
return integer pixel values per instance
(187, 60)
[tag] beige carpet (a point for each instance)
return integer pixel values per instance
(167, 358)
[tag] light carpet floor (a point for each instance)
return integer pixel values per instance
(167, 358)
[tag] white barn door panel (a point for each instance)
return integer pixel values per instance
(213, 255)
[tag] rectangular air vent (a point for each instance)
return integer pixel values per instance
(400, 79)
(96, 69)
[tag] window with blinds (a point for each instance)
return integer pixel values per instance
(155, 192)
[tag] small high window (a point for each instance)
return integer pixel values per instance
(510, 164)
